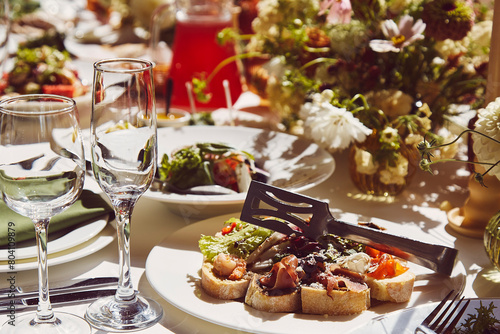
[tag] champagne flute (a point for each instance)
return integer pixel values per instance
(123, 144)
(42, 171)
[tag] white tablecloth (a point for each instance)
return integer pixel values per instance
(418, 204)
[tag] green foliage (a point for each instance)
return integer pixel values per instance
(22, 7)
(483, 321)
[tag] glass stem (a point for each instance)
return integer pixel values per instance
(44, 311)
(125, 291)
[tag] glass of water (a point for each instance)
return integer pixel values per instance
(42, 171)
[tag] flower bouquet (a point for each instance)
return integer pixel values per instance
(391, 72)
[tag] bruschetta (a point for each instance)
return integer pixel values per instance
(277, 273)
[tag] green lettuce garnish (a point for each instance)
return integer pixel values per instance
(242, 241)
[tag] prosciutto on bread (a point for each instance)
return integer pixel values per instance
(224, 272)
(273, 272)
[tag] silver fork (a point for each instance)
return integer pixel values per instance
(433, 325)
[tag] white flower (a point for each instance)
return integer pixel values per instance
(398, 36)
(331, 127)
(284, 100)
(365, 163)
(389, 135)
(396, 174)
(480, 39)
(269, 16)
(474, 48)
(347, 39)
(323, 97)
(274, 12)
(449, 47)
(276, 66)
(413, 139)
(488, 123)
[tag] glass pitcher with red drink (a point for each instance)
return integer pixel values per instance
(196, 52)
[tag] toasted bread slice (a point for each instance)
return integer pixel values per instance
(220, 287)
(315, 300)
(396, 289)
(260, 300)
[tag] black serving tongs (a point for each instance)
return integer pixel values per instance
(283, 211)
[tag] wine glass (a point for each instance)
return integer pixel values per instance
(42, 171)
(123, 144)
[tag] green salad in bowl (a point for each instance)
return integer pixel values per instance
(209, 164)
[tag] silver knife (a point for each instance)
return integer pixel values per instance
(73, 286)
(14, 305)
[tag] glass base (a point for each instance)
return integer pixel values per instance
(65, 323)
(111, 315)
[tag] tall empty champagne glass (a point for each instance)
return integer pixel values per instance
(123, 143)
(42, 170)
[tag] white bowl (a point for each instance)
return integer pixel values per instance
(175, 118)
(294, 164)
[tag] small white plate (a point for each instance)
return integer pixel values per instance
(173, 270)
(90, 246)
(58, 241)
(293, 163)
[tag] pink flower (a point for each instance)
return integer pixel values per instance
(398, 36)
(339, 11)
